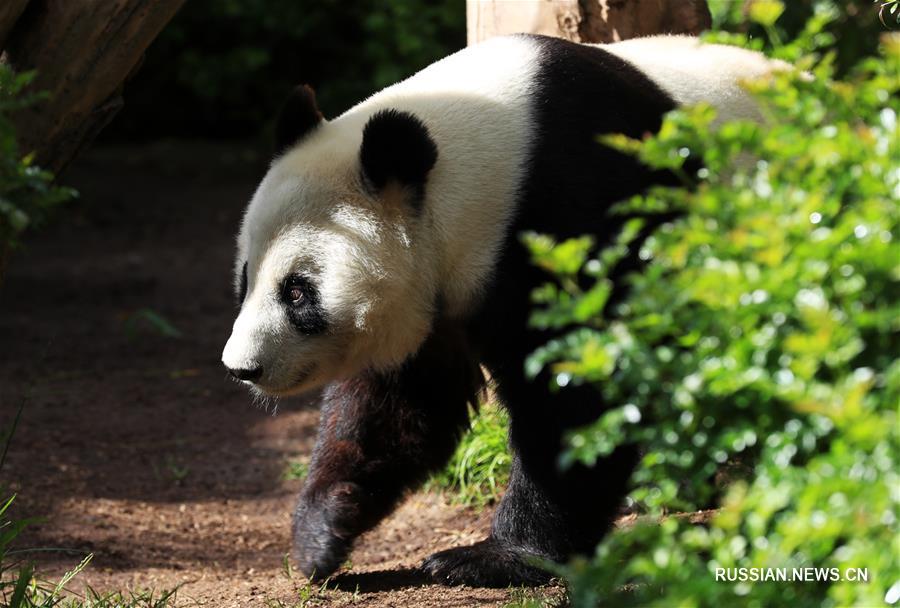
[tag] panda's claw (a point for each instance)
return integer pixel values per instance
(489, 563)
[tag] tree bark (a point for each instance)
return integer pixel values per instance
(611, 20)
(10, 11)
(83, 52)
(586, 20)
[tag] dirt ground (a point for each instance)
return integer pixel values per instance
(133, 445)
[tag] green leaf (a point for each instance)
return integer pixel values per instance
(155, 320)
(766, 12)
(24, 578)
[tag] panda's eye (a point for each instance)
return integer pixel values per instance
(302, 304)
(294, 291)
(296, 294)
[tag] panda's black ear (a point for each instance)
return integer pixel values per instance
(396, 146)
(298, 117)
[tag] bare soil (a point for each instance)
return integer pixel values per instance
(133, 445)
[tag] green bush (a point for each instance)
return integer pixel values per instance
(851, 28)
(27, 193)
(755, 357)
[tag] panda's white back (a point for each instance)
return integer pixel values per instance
(692, 72)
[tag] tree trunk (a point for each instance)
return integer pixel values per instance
(83, 52)
(10, 11)
(488, 18)
(586, 20)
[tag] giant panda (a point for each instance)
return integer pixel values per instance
(379, 259)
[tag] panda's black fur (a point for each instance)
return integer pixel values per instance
(382, 434)
(299, 115)
(396, 146)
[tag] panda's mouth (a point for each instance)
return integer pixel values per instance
(304, 375)
(298, 384)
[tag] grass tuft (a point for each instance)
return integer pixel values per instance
(20, 588)
(478, 472)
(296, 470)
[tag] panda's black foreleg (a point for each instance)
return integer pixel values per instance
(381, 434)
(546, 513)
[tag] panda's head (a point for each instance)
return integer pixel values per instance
(332, 271)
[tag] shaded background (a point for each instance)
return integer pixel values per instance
(226, 66)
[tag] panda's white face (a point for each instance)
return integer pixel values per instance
(332, 273)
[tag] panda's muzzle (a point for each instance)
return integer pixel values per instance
(246, 375)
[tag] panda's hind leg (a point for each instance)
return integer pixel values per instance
(508, 556)
(546, 514)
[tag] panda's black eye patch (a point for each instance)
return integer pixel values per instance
(242, 286)
(302, 304)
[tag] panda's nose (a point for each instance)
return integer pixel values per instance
(250, 375)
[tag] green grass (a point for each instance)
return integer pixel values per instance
(308, 593)
(35, 597)
(296, 470)
(541, 597)
(479, 469)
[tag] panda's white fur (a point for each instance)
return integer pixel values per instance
(692, 72)
(379, 269)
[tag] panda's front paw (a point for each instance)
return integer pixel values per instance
(324, 530)
(489, 563)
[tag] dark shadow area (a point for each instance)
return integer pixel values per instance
(380, 580)
(112, 321)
